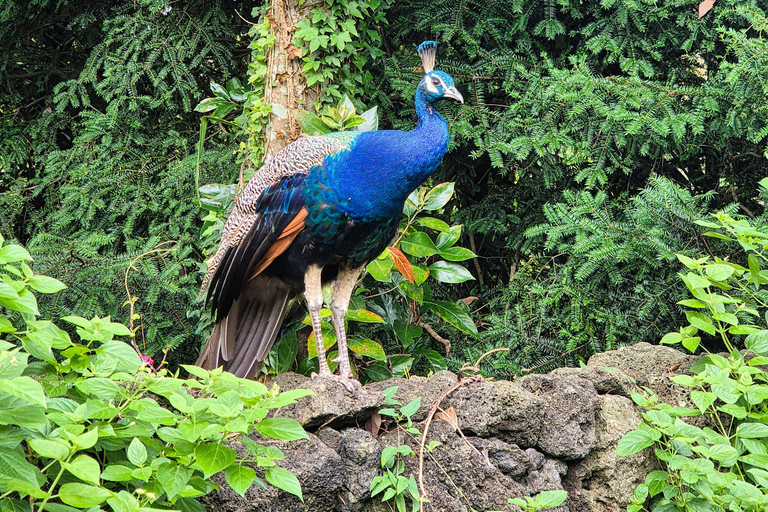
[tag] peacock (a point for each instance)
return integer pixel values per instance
(317, 212)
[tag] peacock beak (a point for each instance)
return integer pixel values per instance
(453, 93)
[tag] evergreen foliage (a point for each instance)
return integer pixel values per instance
(100, 156)
(594, 134)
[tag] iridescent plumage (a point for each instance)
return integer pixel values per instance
(317, 212)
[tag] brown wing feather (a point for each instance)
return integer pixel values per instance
(284, 240)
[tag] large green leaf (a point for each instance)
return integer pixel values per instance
(239, 478)
(213, 457)
(25, 388)
(366, 347)
(447, 272)
(82, 495)
(284, 429)
(52, 448)
(285, 480)
(173, 477)
(438, 196)
(418, 244)
(637, 440)
(453, 314)
(85, 468)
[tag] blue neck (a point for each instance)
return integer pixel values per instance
(373, 179)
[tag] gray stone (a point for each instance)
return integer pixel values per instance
(332, 405)
(603, 481)
(499, 409)
(427, 389)
(611, 381)
(568, 411)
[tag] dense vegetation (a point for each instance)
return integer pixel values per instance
(593, 136)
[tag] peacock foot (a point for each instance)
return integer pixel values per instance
(353, 385)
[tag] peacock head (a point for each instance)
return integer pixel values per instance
(436, 84)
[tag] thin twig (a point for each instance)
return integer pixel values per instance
(445, 342)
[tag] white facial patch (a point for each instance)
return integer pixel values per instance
(432, 87)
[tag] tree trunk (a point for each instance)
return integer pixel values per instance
(286, 89)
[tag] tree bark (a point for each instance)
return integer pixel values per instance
(286, 89)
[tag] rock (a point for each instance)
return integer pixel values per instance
(611, 381)
(642, 360)
(499, 409)
(321, 476)
(417, 387)
(458, 474)
(543, 432)
(568, 411)
(361, 454)
(603, 481)
(509, 458)
(332, 405)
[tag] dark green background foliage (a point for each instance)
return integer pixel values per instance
(634, 116)
(97, 137)
(592, 136)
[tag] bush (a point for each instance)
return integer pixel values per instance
(88, 422)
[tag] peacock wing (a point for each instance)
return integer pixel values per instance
(266, 218)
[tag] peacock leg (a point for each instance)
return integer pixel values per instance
(342, 292)
(313, 291)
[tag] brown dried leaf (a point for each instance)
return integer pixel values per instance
(705, 6)
(448, 415)
(674, 367)
(373, 425)
(469, 300)
(293, 52)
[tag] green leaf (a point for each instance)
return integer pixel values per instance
(51, 448)
(723, 453)
(25, 388)
(82, 495)
(453, 314)
(418, 244)
(752, 430)
(98, 386)
(136, 452)
(456, 254)
(239, 478)
(550, 498)
(45, 284)
(700, 321)
(719, 271)
(172, 477)
(12, 253)
(310, 123)
(754, 269)
(433, 223)
(119, 473)
(85, 468)
(284, 429)
(214, 457)
(411, 407)
(13, 465)
(366, 347)
(703, 399)
(123, 354)
(438, 196)
(757, 342)
(362, 315)
(379, 269)
(285, 480)
(447, 272)
(637, 440)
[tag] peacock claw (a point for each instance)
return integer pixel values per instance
(353, 385)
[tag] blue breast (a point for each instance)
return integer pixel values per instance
(372, 180)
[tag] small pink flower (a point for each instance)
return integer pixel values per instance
(147, 360)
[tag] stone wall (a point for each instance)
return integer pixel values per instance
(541, 432)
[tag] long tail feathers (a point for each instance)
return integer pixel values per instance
(241, 341)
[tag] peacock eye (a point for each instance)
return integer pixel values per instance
(435, 81)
